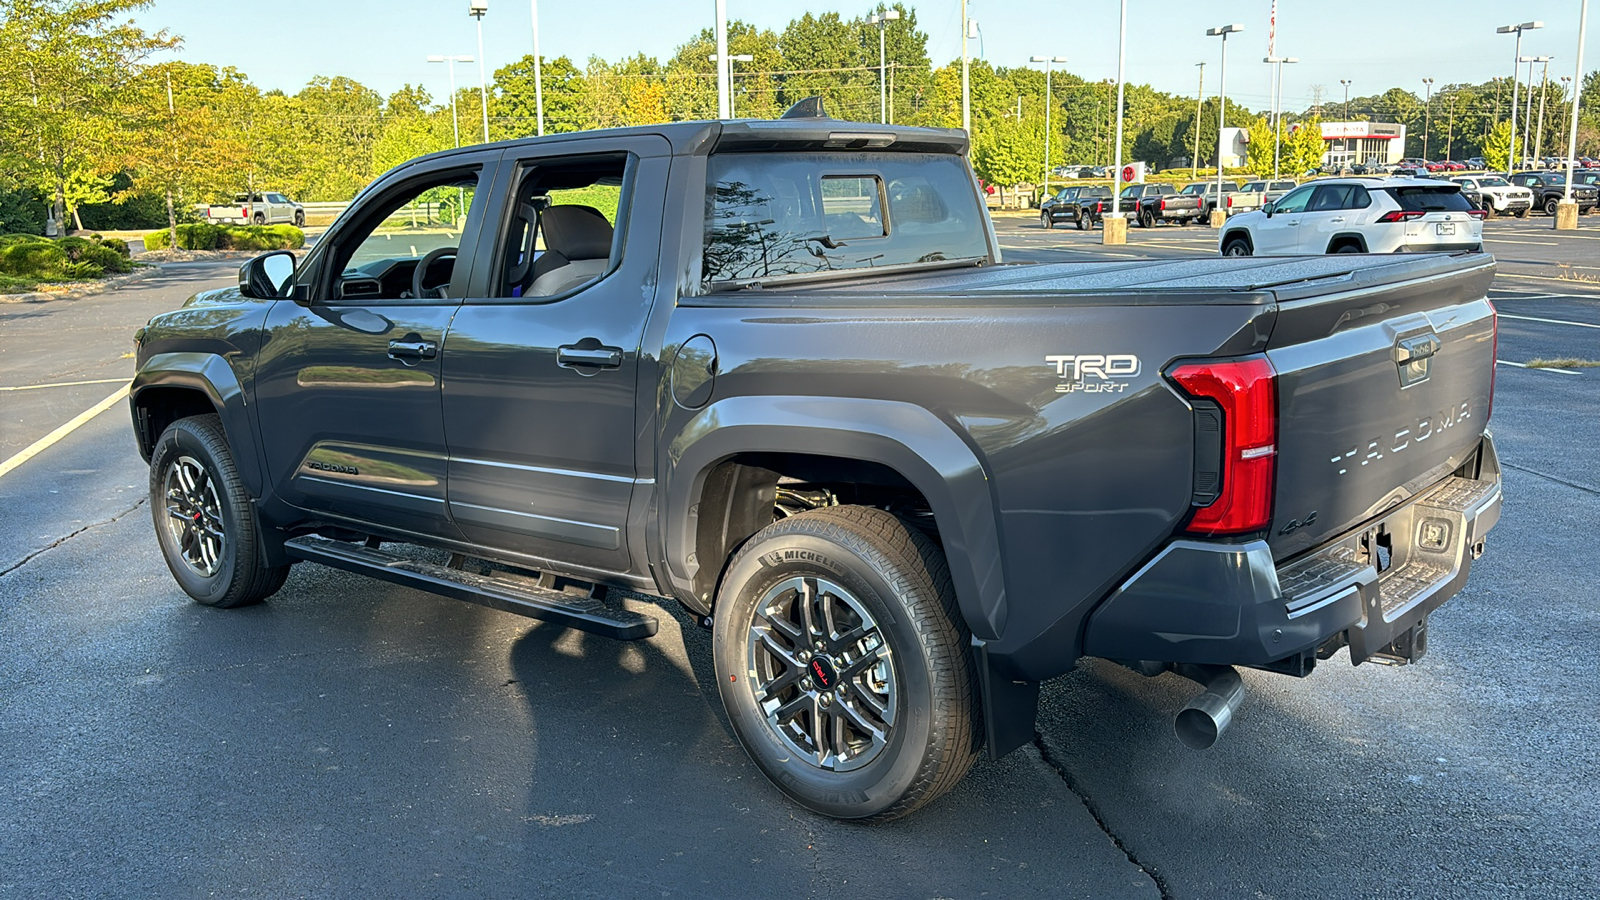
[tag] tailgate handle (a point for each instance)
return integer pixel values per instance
(1416, 349)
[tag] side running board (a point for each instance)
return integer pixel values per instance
(507, 594)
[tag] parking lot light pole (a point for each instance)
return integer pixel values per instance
(882, 20)
(1544, 85)
(1567, 209)
(1222, 109)
(966, 65)
(477, 9)
(1346, 83)
(1047, 60)
(455, 123)
(1427, 115)
(1516, 58)
(732, 58)
(1114, 228)
(1277, 107)
(1199, 105)
(1527, 118)
(538, 80)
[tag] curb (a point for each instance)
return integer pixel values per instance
(79, 290)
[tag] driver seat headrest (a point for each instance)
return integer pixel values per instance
(577, 232)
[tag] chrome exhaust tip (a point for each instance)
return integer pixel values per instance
(1206, 717)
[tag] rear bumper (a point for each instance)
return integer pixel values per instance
(1441, 247)
(1230, 604)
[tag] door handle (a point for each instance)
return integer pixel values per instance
(1340, 219)
(588, 353)
(413, 349)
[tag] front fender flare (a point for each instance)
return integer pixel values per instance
(209, 374)
(907, 438)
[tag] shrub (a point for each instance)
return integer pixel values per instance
(30, 258)
(205, 236)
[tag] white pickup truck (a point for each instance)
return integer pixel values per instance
(1256, 194)
(257, 209)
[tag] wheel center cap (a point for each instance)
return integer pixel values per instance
(824, 672)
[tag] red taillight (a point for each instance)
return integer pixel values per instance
(1230, 203)
(1163, 204)
(1400, 215)
(1478, 213)
(1494, 360)
(1246, 391)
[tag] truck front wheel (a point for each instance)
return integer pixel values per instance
(203, 518)
(844, 664)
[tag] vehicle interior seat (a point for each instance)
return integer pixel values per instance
(577, 241)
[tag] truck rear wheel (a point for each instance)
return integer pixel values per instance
(844, 664)
(204, 522)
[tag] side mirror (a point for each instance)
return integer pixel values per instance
(268, 277)
(1267, 207)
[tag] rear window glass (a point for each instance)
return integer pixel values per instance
(1430, 199)
(774, 214)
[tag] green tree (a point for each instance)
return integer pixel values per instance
(1497, 147)
(64, 65)
(1009, 152)
(515, 109)
(172, 139)
(1258, 150)
(1303, 148)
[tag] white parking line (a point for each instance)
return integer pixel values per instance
(35, 387)
(1507, 362)
(1548, 321)
(78, 421)
(1530, 243)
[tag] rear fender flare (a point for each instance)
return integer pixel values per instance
(208, 374)
(906, 438)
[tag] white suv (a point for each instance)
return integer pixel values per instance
(1358, 215)
(1500, 197)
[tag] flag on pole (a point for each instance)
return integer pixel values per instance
(1272, 32)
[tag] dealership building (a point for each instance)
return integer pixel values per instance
(1348, 143)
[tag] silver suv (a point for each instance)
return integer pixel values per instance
(1358, 215)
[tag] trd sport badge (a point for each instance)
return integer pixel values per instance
(1094, 373)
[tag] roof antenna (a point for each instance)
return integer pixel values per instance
(809, 108)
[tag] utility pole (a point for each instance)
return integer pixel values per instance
(1450, 133)
(1199, 104)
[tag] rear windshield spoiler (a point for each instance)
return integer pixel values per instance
(831, 134)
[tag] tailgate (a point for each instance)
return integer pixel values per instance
(1383, 390)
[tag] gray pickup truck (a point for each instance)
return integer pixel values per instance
(776, 372)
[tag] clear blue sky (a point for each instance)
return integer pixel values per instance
(384, 43)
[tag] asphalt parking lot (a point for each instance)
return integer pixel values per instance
(350, 738)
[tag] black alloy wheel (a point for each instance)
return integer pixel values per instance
(1550, 205)
(844, 664)
(1236, 246)
(204, 520)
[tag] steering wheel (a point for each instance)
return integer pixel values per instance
(422, 269)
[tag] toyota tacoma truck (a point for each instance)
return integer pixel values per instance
(778, 373)
(1151, 204)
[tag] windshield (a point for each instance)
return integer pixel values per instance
(1254, 187)
(769, 215)
(1493, 182)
